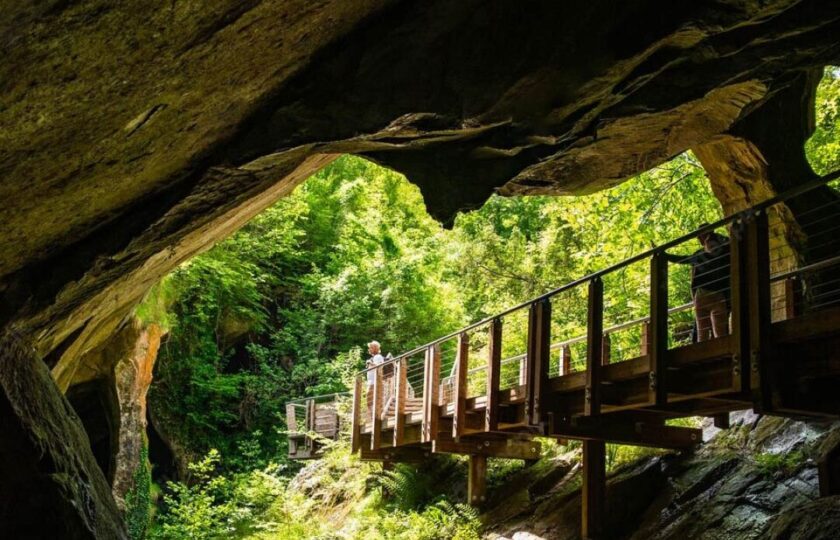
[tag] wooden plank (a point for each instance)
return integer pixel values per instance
(462, 368)
(739, 340)
(594, 347)
(658, 330)
(808, 326)
(593, 495)
(758, 310)
(401, 367)
(699, 352)
(506, 448)
(493, 373)
(375, 412)
(477, 480)
(538, 359)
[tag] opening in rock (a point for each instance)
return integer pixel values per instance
(95, 404)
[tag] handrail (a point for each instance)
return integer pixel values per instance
(577, 339)
(754, 210)
(301, 401)
(819, 265)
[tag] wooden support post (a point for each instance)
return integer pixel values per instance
(565, 360)
(594, 347)
(593, 494)
(828, 467)
(494, 362)
(400, 376)
(462, 368)
(376, 410)
(477, 480)
(431, 405)
(721, 420)
(356, 429)
(758, 294)
(658, 330)
(538, 359)
(738, 302)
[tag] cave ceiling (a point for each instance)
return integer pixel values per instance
(134, 135)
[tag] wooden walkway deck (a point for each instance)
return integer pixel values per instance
(779, 354)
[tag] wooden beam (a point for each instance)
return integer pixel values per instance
(594, 347)
(651, 434)
(356, 429)
(658, 330)
(462, 368)
(507, 448)
(758, 298)
(493, 373)
(400, 376)
(593, 495)
(477, 480)
(721, 420)
(538, 359)
(403, 454)
(376, 410)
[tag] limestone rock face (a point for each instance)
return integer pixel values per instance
(132, 378)
(51, 485)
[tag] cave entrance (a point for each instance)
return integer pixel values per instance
(95, 404)
(164, 466)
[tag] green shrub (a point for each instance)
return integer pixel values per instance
(786, 464)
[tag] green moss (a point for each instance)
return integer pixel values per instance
(784, 464)
(138, 501)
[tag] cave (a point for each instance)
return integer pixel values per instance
(135, 137)
(164, 467)
(95, 405)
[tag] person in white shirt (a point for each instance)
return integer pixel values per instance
(375, 359)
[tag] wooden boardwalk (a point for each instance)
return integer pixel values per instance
(578, 375)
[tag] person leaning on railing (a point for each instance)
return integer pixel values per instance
(709, 284)
(375, 359)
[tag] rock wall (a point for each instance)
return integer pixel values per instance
(756, 480)
(132, 378)
(51, 485)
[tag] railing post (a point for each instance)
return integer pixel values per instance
(606, 350)
(758, 292)
(356, 429)
(565, 360)
(291, 421)
(644, 345)
(658, 330)
(594, 347)
(494, 362)
(375, 412)
(400, 376)
(740, 321)
(793, 296)
(462, 368)
(538, 356)
(310, 423)
(431, 409)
